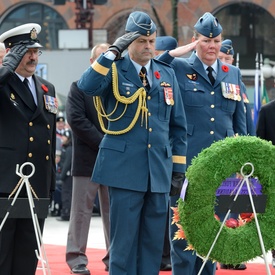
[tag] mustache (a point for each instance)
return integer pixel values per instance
(32, 62)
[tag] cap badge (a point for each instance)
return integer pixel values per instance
(33, 33)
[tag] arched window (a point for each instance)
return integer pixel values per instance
(251, 29)
(43, 15)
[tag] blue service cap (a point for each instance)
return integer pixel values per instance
(165, 43)
(140, 22)
(208, 25)
(227, 47)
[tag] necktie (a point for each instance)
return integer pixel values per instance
(210, 75)
(143, 78)
(30, 96)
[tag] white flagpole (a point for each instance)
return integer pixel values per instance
(262, 77)
(256, 91)
(237, 60)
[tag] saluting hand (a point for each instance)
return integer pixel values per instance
(12, 59)
(123, 42)
(182, 50)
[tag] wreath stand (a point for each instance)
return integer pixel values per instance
(245, 180)
(41, 256)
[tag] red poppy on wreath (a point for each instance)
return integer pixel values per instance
(225, 68)
(44, 88)
(157, 75)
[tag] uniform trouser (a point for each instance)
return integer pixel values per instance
(166, 247)
(66, 196)
(83, 197)
(185, 262)
(138, 223)
(17, 247)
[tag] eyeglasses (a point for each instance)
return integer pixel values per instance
(34, 52)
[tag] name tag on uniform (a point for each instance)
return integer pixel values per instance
(51, 104)
(231, 91)
(168, 95)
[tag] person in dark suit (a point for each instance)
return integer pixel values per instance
(27, 125)
(265, 129)
(142, 154)
(87, 135)
(213, 110)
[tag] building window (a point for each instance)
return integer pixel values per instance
(49, 20)
(251, 29)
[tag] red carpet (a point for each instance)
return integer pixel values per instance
(58, 266)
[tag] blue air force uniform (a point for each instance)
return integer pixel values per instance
(213, 112)
(210, 112)
(228, 49)
(137, 163)
(140, 154)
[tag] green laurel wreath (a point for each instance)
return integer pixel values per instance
(208, 170)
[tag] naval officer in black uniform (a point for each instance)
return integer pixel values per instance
(27, 126)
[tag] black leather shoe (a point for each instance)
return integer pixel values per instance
(165, 267)
(80, 269)
(230, 266)
(225, 266)
(239, 267)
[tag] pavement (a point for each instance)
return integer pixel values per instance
(55, 233)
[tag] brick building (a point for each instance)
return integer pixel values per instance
(78, 24)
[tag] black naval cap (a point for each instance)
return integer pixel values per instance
(141, 22)
(60, 117)
(227, 47)
(208, 25)
(166, 43)
(25, 34)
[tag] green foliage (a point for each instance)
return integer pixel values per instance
(206, 173)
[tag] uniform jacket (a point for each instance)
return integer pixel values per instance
(141, 156)
(265, 125)
(210, 116)
(26, 135)
(87, 135)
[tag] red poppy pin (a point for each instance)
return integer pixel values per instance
(44, 88)
(157, 75)
(225, 68)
